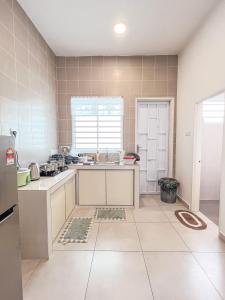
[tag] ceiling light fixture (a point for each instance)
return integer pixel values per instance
(120, 28)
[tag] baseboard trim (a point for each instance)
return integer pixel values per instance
(222, 236)
(187, 205)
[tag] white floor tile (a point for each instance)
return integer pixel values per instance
(169, 211)
(63, 276)
(177, 276)
(149, 202)
(118, 276)
(214, 266)
(160, 237)
(149, 214)
(201, 240)
(118, 237)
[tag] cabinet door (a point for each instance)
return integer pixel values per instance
(70, 196)
(120, 185)
(58, 208)
(92, 187)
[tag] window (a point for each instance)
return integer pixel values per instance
(97, 124)
(213, 111)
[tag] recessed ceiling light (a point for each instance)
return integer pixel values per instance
(120, 28)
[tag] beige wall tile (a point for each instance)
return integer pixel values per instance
(148, 73)
(23, 74)
(61, 74)
(71, 73)
(97, 61)
(72, 87)
(172, 74)
(130, 77)
(60, 62)
(161, 73)
(62, 86)
(21, 53)
(161, 61)
(7, 89)
(72, 62)
(172, 61)
(148, 88)
(7, 64)
(21, 31)
(84, 73)
(97, 88)
(160, 88)
(6, 40)
(110, 61)
(129, 61)
(84, 88)
(85, 61)
(6, 16)
(149, 61)
(97, 73)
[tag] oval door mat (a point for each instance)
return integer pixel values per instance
(190, 220)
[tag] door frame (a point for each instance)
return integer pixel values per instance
(196, 167)
(171, 102)
(197, 153)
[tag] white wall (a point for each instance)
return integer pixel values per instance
(201, 73)
(212, 138)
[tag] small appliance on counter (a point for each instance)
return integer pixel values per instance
(34, 171)
(23, 177)
(52, 168)
(131, 158)
(69, 159)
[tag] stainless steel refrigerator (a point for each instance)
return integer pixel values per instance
(10, 260)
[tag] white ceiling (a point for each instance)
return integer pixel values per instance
(85, 27)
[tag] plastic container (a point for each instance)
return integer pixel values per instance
(23, 177)
(168, 189)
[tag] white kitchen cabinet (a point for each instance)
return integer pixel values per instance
(92, 190)
(70, 196)
(58, 210)
(119, 187)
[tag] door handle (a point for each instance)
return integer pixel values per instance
(138, 148)
(7, 214)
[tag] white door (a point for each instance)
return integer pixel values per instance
(152, 135)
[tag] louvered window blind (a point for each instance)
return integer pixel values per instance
(213, 111)
(97, 124)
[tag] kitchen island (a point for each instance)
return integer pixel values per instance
(105, 184)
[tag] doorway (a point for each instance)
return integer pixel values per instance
(208, 156)
(154, 141)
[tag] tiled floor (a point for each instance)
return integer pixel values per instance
(148, 256)
(211, 209)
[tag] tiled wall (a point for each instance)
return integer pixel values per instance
(27, 85)
(130, 77)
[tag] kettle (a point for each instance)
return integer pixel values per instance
(34, 171)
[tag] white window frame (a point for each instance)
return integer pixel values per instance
(89, 150)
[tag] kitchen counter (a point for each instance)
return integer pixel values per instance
(108, 184)
(106, 166)
(48, 183)
(44, 207)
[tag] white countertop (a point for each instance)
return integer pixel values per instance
(104, 167)
(46, 183)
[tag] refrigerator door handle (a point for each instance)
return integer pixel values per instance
(7, 214)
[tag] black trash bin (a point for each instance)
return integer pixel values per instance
(168, 189)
